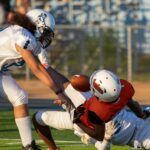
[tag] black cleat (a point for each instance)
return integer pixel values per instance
(31, 146)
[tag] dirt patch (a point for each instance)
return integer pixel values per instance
(142, 92)
(36, 89)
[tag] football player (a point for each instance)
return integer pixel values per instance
(124, 129)
(25, 41)
(109, 96)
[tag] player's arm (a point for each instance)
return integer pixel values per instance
(36, 67)
(60, 80)
(136, 108)
(111, 129)
(98, 130)
(42, 74)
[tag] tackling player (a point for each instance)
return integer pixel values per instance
(109, 96)
(124, 129)
(24, 41)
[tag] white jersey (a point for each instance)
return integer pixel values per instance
(43, 57)
(10, 58)
(129, 123)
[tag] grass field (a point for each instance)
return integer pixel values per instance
(9, 137)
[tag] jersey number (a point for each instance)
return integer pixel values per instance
(26, 44)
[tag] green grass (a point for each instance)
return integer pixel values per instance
(10, 140)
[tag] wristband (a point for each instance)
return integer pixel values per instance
(58, 91)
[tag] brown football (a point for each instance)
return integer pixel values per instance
(80, 82)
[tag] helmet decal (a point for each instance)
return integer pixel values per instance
(41, 19)
(97, 87)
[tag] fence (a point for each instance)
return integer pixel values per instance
(84, 49)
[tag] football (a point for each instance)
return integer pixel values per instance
(80, 82)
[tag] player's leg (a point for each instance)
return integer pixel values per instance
(44, 132)
(43, 120)
(19, 99)
(144, 136)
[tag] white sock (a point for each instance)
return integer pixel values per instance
(24, 127)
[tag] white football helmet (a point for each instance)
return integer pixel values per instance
(105, 85)
(45, 24)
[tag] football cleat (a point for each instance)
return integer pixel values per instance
(31, 146)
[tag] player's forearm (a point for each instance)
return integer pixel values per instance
(136, 108)
(57, 77)
(36, 67)
(98, 135)
(42, 74)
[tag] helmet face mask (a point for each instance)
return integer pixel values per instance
(46, 36)
(105, 85)
(45, 24)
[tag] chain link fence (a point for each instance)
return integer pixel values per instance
(84, 49)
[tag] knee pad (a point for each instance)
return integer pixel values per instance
(41, 118)
(20, 98)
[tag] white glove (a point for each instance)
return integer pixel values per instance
(105, 145)
(111, 128)
(85, 139)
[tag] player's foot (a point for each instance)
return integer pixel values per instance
(31, 146)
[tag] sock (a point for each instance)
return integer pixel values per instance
(24, 127)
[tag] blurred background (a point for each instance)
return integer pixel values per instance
(93, 34)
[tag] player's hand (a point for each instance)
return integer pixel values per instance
(66, 101)
(58, 102)
(85, 139)
(111, 128)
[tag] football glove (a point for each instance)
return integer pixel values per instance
(85, 139)
(112, 127)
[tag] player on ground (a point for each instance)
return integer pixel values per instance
(109, 95)
(23, 41)
(125, 129)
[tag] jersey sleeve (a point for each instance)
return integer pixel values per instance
(43, 58)
(127, 89)
(27, 41)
